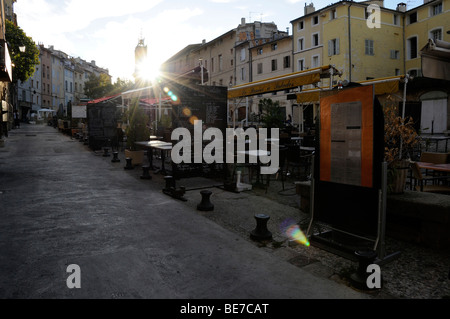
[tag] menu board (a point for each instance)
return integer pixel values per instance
(346, 143)
(79, 111)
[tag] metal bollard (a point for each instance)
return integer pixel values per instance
(205, 205)
(106, 152)
(261, 232)
(129, 164)
(170, 182)
(145, 172)
(365, 258)
(115, 157)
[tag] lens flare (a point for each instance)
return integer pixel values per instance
(193, 119)
(187, 112)
(293, 231)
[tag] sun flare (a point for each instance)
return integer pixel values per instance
(148, 71)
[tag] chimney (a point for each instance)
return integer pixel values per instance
(204, 41)
(309, 8)
(242, 21)
(93, 62)
(401, 7)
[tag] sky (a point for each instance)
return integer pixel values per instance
(108, 31)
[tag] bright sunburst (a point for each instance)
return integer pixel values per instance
(147, 70)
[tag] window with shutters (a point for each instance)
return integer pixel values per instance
(301, 44)
(412, 18)
(315, 40)
(315, 61)
(301, 65)
(412, 47)
(287, 62)
(260, 68)
(436, 9)
(333, 47)
(274, 65)
(395, 54)
(242, 54)
(436, 34)
(369, 47)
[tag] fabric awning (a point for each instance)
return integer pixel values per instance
(280, 83)
(154, 101)
(436, 60)
(388, 85)
(103, 99)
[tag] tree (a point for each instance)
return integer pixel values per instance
(272, 116)
(98, 86)
(24, 62)
(137, 130)
(121, 86)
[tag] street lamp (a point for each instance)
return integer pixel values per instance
(22, 48)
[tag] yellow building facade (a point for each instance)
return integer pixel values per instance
(344, 35)
(428, 21)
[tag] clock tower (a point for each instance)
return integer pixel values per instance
(140, 55)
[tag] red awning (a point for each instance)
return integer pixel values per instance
(155, 101)
(103, 99)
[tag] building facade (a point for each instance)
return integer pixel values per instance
(7, 92)
(362, 40)
(59, 81)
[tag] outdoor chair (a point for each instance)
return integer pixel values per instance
(298, 162)
(435, 158)
(421, 181)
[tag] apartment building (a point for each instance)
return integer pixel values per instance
(340, 35)
(46, 80)
(344, 34)
(226, 58)
(362, 40)
(59, 80)
(9, 10)
(7, 96)
(272, 58)
(30, 92)
(431, 20)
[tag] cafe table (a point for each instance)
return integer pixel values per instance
(257, 154)
(436, 167)
(159, 145)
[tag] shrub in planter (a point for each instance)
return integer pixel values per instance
(400, 140)
(136, 131)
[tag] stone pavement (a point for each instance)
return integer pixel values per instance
(62, 204)
(69, 205)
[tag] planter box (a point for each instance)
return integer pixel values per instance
(136, 156)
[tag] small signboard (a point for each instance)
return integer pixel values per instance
(79, 111)
(349, 160)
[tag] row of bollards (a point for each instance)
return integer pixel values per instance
(358, 279)
(261, 231)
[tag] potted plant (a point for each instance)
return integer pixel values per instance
(136, 131)
(400, 140)
(272, 114)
